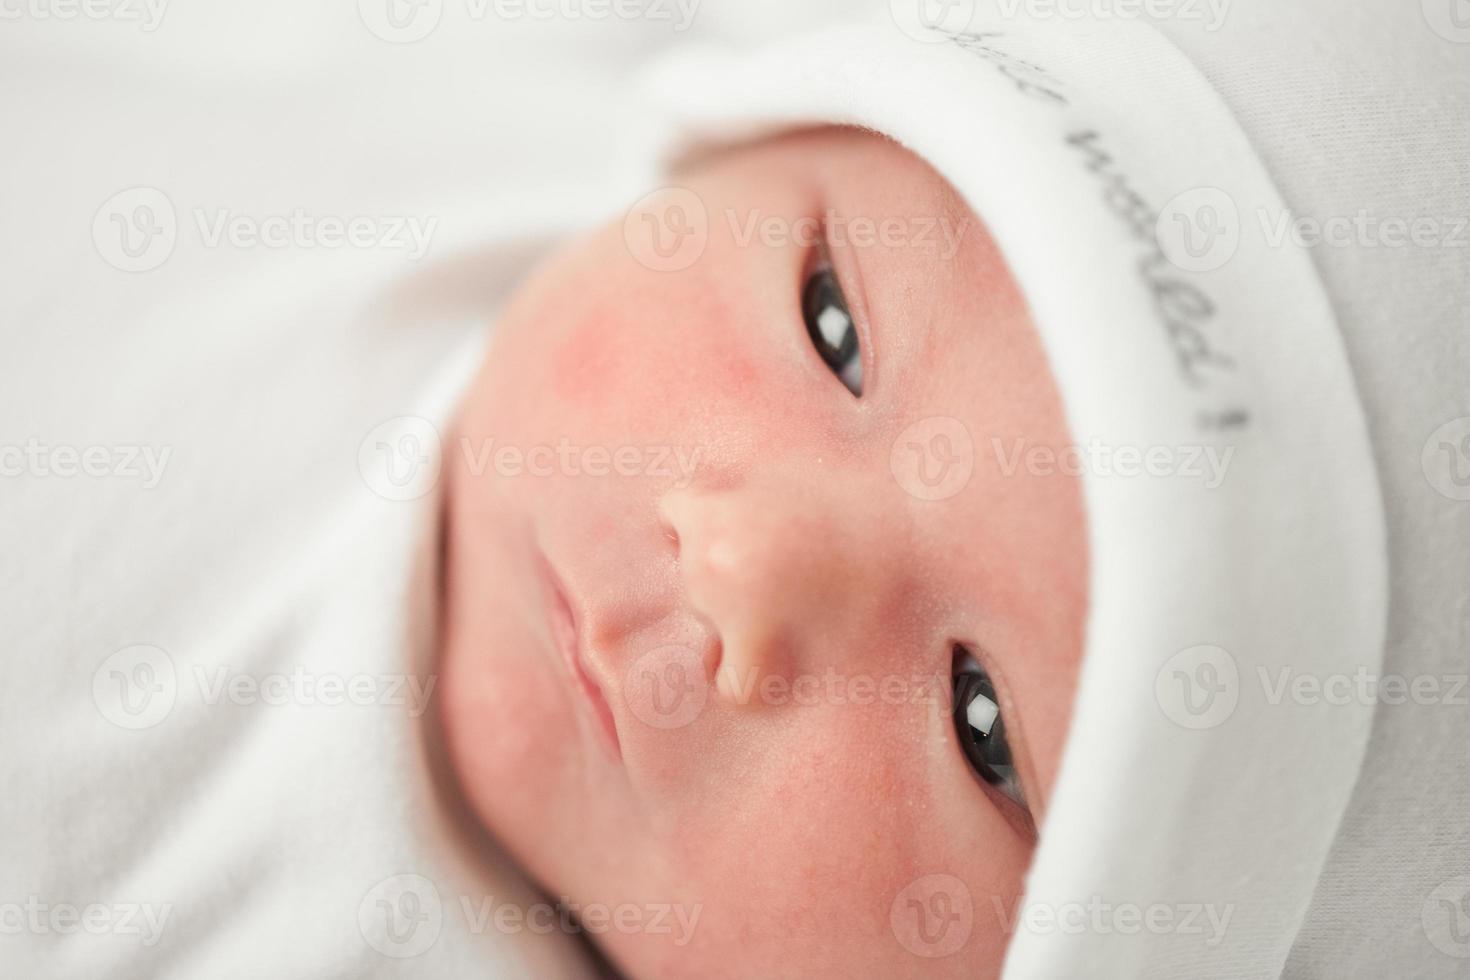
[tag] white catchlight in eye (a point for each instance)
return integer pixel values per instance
(981, 714)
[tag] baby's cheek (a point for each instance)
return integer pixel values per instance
(649, 354)
(587, 363)
(837, 821)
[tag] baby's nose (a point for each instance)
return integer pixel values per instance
(773, 565)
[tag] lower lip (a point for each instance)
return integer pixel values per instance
(568, 639)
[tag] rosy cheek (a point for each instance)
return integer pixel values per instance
(651, 374)
(711, 379)
(585, 364)
(736, 372)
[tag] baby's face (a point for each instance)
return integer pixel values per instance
(709, 565)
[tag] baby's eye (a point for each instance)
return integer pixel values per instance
(981, 730)
(830, 325)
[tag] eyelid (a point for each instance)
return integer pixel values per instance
(1026, 818)
(848, 270)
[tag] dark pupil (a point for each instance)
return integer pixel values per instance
(823, 292)
(991, 754)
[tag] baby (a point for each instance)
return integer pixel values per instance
(801, 687)
(767, 635)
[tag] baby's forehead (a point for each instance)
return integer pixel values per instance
(862, 171)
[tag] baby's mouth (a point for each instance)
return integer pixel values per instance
(566, 632)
